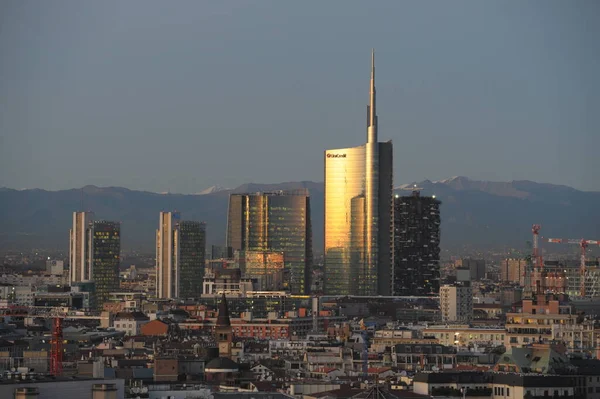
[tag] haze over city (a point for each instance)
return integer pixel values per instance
(195, 204)
(181, 97)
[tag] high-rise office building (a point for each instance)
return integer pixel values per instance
(275, 222)
(105, 254)
(265, 266)
(358, 213)
(79, 267)
(95, 254)
(180, 254)
(416, 245)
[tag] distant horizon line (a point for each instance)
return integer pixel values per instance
(218, 188)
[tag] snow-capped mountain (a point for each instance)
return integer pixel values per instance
(212, 189)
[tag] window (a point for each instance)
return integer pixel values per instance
(507, 391)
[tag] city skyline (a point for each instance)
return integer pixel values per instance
(493, 93)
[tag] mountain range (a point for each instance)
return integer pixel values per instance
(475, 214)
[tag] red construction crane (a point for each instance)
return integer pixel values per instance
(56, 347)
(56, 343)
(583, 244)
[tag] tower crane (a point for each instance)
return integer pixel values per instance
(583, 244)
(57, 315)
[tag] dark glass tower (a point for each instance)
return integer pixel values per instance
(416, 245)
(358, 212)
(180, 254)
(192, 247)
(275, 222)
(105, 258)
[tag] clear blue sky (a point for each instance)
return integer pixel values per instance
(181, 95)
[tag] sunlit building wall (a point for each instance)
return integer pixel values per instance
(358, 214)
(266, 266)
(275, 222)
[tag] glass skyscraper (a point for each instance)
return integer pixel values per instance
(275, 222)
(180, 254)
(106, 248)
(358, 213)
(192, 247)
(416, 245)
(94, 254)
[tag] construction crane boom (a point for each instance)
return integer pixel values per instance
(583, 244)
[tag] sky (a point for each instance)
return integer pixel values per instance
(179, 96)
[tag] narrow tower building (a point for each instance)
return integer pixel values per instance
(358, 213)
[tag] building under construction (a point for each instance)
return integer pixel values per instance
(416, 249)
(572, 272)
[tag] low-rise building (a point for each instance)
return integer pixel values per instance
(464, 336)
(130, 322)
(494, 385)
(419, 357)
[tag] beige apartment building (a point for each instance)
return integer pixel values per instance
(456, 303)
(464, 336)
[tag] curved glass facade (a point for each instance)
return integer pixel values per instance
(344, 219)
(358, 212)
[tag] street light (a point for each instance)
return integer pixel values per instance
(456, 340)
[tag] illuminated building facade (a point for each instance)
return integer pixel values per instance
(266, 266)
(358, 214)
(180, 254)
(416, 245)
(275, 222)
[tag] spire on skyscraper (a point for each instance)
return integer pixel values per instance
(371, 109)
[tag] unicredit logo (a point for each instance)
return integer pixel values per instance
(336, 155)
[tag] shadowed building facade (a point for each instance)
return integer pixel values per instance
(275, 222)
(94, 255)
(358, 213)
(416, 245)
(180, 254)
(106, 249)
